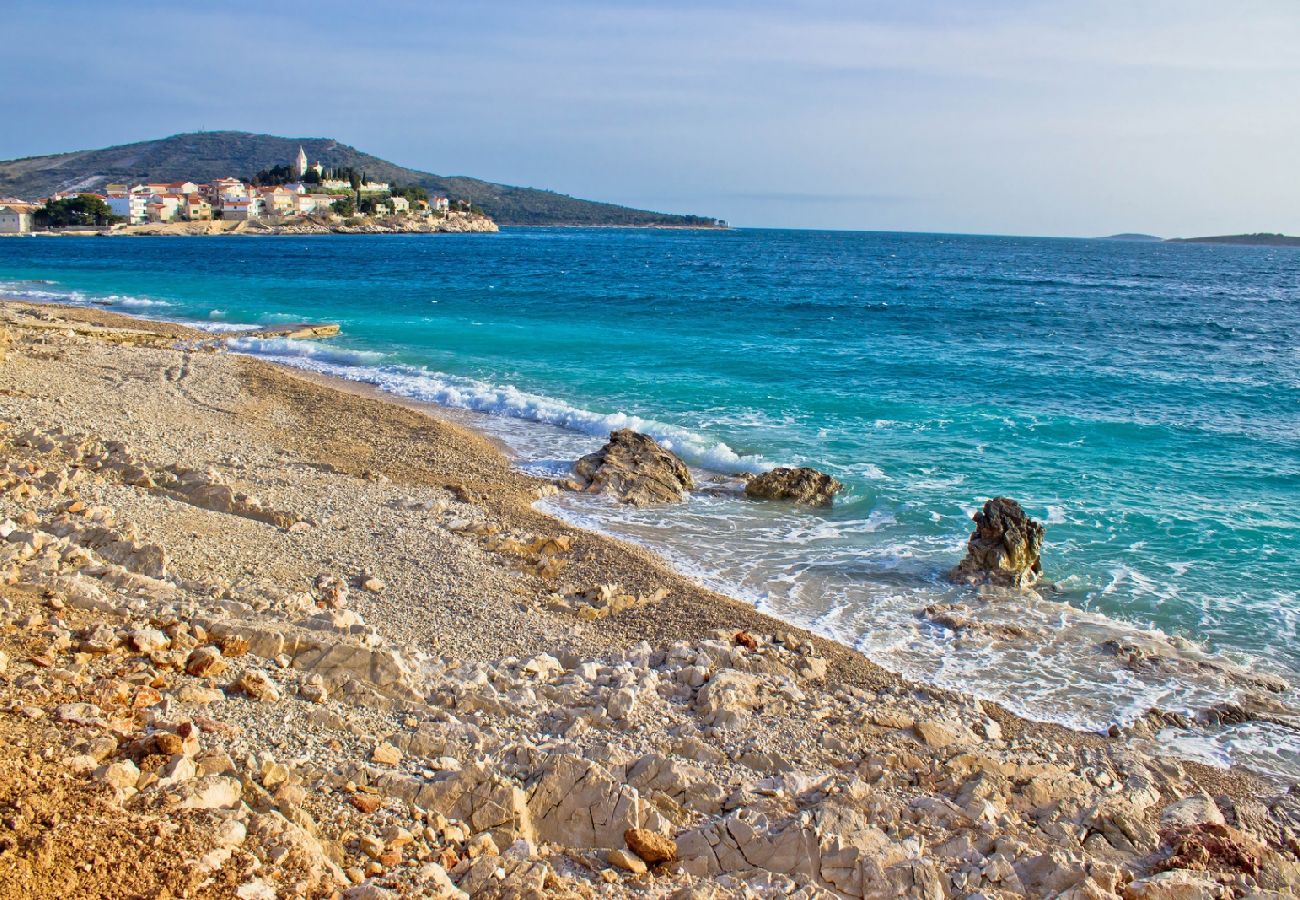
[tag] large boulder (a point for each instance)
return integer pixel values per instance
(801, 485)
(1004, 549)
(635, 469)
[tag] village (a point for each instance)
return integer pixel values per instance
(283, 195)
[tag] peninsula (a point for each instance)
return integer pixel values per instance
(1260, 239)
(209, 156)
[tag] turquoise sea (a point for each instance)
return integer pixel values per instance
(1143, 400)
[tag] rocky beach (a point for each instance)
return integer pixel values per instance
(265, 636)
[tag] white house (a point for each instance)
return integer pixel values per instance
(16, 218)
(442, 204)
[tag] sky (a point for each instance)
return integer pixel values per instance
(1174, 118)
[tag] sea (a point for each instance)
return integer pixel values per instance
(1142, 400)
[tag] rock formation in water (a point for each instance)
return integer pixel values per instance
(1004, 548)
(802, 485)
(635, 469)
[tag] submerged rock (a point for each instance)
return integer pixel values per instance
(801, 485)
(635, 469)
(1004, 549)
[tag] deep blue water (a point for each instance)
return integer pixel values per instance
(1142, 399)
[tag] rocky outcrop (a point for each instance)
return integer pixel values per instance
(295, 331)
(802, 485)
(1004, 549)
(635, 469)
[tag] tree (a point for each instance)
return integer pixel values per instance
(354, 179)
(83, 210)
(411, 193)
(346, 207)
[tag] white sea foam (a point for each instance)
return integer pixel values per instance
(462, 392)
(222, 327)
(25, 290)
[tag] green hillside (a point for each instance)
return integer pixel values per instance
(204, 156)
(1260, 239)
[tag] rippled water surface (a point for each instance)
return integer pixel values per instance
(1141, 399)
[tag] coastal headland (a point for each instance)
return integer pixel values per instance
(263, 635)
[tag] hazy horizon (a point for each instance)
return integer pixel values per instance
(1171, 119)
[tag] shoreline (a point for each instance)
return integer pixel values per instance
(390, 486)
(468, 421)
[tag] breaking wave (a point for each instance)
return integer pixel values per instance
(462, 392)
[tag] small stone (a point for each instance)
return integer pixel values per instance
(481, 845)
(372, 846)
(627, 861)
(258, 686)
(366, 803)
(148, 640)
(122, 774)
(386, 755)
(205, 662)
(374, 585)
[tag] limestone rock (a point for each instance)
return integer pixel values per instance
(634, 468)
(577, 803)
(1198, 810)
(386, 755)
(205, 662)
(1175, 885)
(258, 686)
(802, 485)
(1004, 549)
(208, 792)
(628, 862)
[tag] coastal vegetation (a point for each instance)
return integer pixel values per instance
(83, 210)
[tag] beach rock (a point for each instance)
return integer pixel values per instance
(1176, 885)
(258, 686)
(802, 485)
(651, 846)
(635, 469)
(1004, 548)
(205, 662)
(628, 862)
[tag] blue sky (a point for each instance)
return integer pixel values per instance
(1078, 118)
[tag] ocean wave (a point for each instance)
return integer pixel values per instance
(22, 290)
(461, 392)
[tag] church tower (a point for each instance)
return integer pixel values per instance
(300, 164)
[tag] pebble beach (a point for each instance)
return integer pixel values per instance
(267, 635)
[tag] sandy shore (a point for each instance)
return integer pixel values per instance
(288, 637)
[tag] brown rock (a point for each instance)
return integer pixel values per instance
(386, 754)
(205, 662)
(258, 686)
(232, 645)
(634, 468)
(650, 845)
(1004, 548)
(803, 485)
(366, 803)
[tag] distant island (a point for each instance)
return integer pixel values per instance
(1261, 239)
(209, 156)
(1132, 236)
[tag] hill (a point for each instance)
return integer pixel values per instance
(1260, 239)
(204, 156)
(1131, 236)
